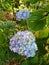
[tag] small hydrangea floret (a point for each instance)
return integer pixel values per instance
(23, 14)
(24, 44)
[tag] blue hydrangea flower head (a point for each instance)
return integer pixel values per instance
(24, 44)
(23, 14)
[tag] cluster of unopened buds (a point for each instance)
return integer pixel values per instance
(23, 43)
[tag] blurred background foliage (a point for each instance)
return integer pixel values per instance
(37, 23)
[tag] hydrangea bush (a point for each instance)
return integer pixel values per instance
(24, 44)
(27, 43)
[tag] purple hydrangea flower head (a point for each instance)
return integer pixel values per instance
(23, 43)
(23, 14)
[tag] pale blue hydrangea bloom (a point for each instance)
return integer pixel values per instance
(23, 14)
(24, 44)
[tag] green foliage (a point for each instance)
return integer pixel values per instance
(37, 21)
(2, 53)
(6, 5)
(33, 60)
(30, 61)
(48, 41)
(6, 31)
(48, 20)
(33, 1)
(43, 33)
(36, 25)
(47, 7)
(24, 63)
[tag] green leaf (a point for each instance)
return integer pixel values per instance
(48, 41)
(41, 48)
(24, 62)
(48, 20)
(36, 21)
(22, 22)
(36, 25)
(47, 7)
(1, 62)
(37, 15)
(43, 33)
(2, 53)
(48, 57)
(33, 1)
(33, 60)
(9, 54)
